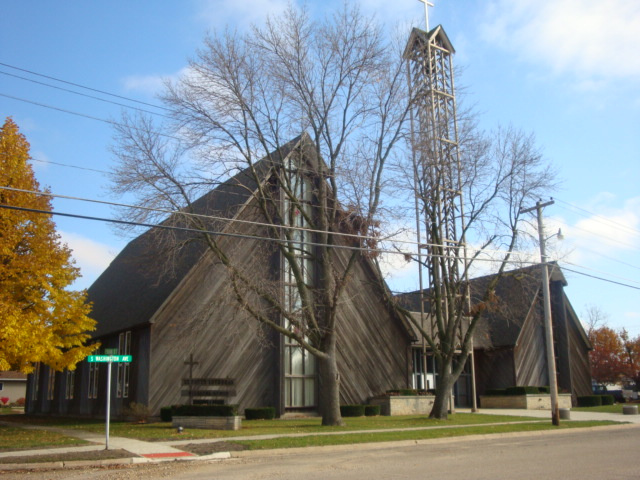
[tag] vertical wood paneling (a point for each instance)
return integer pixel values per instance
(203, 318)
(530, 353)
(579, 354)
(372, 343)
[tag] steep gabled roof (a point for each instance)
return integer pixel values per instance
(516, 294)
(142, 277)
(419, 37)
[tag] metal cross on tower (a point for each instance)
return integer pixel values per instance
(426, 11)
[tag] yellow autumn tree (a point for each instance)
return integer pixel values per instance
(40, 320)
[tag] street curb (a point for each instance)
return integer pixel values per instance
(409, 443)
(109, 462)
(298, 450)
(8, 467)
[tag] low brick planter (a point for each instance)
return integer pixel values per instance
(212, 423)
(528, 402)
(404, 404)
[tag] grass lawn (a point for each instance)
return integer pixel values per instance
(10, 410)
(617, 408)
(163, 431)
(16, 438)
(409, 435)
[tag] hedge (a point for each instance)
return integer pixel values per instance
(590, 401)
(521, 390)
(495, 392)
(204, 410)
(607, 399)
(352, 410)
(372, 410)
(260, 413)
(408, 392)
(165, 414)
(544, 389)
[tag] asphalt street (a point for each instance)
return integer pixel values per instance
(595, 453)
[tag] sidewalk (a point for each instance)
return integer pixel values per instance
(142, 451)
(575, 415)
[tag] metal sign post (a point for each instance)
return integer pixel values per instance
(109, 358)
(108, 413)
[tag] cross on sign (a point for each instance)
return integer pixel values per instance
(426, 11)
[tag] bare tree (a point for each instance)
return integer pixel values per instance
(595, 318)
(500, 174)
(243, 98)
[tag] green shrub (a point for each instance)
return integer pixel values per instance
(352, 410)
(165, 414)
(495, 392)
(260, 413)
(411, 392)
(607, 399)
(204, 411)
(590, 401)
(521, 390)
(209, 401)
(372, 410)
(544, 389)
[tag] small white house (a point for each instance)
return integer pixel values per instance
(13, 386)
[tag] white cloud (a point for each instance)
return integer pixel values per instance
(240, 13)
(151, 85)
(91, 257)
(587, 38)
(400, 274)
(610, 227)
(604, 240)
(148, 84)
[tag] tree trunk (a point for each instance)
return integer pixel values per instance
(440, 408)
(329, 386)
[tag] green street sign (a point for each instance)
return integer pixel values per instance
(109, 358)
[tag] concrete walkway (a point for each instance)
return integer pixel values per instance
(162, 451)
(575, 415)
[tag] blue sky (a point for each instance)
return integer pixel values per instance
(566, 70)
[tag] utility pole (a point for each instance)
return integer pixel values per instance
(548, 325)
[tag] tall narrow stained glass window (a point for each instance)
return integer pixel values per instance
(299, 364)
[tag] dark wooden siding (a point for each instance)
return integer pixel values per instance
(202, 318)
(579, 354)
(372, 344)
(494, 369)
(530, 351)
(561, 337)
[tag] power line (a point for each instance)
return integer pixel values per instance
(588, 214)
(69, 166)
(610, 258)
(599, 278)
(262, 224)
(199, 231)
(599, 271)
(606, 238)
(85, 87)
(85, 95)
(90, 117)
(276, 240)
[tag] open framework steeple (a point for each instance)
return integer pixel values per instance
(437, 174)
